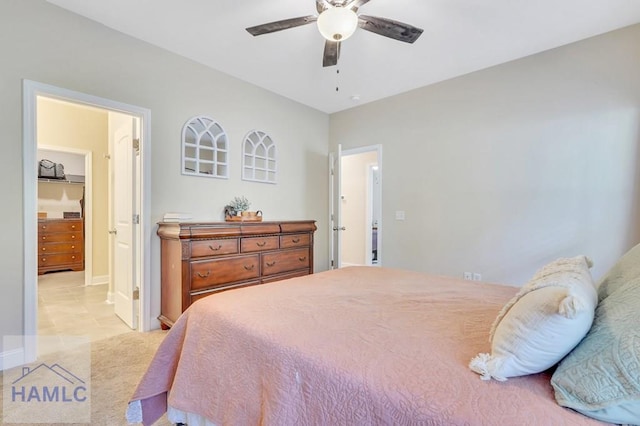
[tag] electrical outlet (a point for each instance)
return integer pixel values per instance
(477, 276)
(468, 276)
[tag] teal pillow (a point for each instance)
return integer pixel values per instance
(626, 269)
(601, 376)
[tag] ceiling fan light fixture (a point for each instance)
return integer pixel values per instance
(337, 23)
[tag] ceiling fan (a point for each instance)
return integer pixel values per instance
(337, 20)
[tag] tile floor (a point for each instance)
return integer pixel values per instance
(66, 307)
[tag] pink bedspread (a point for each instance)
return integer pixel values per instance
(355, 346)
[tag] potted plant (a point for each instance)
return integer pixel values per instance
(239, 206)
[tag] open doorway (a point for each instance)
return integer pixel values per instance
(74, 279)
(96, 274)
(356, 208)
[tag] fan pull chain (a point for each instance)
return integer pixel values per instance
(337, 80)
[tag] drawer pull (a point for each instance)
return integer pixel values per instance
(44, 249)
(295, 240)
(73, 257)
(248, 267)
(73, 227)
(201, 275)
(215, 248)
(302, 258)
(271, 263)
(262, 244)
(44, 259)
(73, 237)
(44, 226)
(71, 247)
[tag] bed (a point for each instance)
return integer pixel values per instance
(353, 346)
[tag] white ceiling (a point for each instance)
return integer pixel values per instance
(460, 36)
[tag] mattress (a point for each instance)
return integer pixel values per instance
(353, 346)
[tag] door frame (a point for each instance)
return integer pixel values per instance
(335, 237)
(31, 90)
(334, 201)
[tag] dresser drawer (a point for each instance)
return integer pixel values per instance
(59, 259)
(51, 248)
(290, 260)
(252, 244)
(60, 226)
(209, 273)
(60, 237)
(201, 294)
(214, 247)
(294, 240)
(274, 278)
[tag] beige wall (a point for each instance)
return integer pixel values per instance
(44, 43)
(56, 198)
(61, 124)
(502, 170)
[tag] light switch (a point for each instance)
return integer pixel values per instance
(399, 214)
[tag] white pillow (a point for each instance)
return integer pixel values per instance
(542, 323)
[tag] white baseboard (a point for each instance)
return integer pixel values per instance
(110, 298)
(12, 358)
(154, 323)
(99, 280)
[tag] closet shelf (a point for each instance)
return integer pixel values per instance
(77, 179)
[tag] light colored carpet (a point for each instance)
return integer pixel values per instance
(117, 364)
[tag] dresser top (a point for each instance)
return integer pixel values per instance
(191, 230)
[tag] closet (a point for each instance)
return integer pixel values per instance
(61, 216)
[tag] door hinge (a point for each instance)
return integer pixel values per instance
(136, 294)
(136, 145)
(332, 263)
(136, 219)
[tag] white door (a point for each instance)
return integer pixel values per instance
(123, 131)
(335, 208)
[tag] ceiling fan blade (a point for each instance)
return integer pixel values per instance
(321, 6)
(272, 27)
(389, 28)
(331, 53)
(355, 4)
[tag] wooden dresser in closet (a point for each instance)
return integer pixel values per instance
(60, 245)
(198, 259)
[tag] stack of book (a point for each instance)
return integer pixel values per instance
(177, 217)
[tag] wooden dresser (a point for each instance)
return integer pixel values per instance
(60, 245)
(198, 259)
